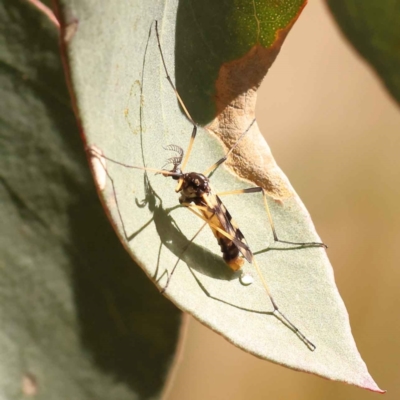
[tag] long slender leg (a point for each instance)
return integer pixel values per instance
(92, 152)
(189, 149)
(194, 132)
(278, 313)
(276, 310)
(271, 222)
(169, 275)
(213, 167)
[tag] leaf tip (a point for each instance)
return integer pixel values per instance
(371, 385)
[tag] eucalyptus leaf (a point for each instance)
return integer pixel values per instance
(373, 28)
(79, 319)
(129, 114)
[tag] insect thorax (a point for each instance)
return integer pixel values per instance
(193, 186)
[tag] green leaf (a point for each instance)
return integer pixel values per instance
(129, 112)
(79, 319)
(211, 33)
(373, 27)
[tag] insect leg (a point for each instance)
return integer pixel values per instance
(169, 275)
(276, 310)
(271, 222)
(278, 313)
(93, 153)
(213, 167)
(194, 132)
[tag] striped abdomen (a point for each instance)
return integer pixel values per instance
(220, 217)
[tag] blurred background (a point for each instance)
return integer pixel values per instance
(335, 132)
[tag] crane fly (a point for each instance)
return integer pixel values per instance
(197, 196)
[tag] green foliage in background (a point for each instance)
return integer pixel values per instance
(78, 318)
(373, 27)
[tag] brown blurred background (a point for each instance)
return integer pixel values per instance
(335, 132)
